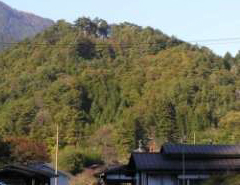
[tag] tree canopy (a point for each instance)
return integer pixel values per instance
(91, 74)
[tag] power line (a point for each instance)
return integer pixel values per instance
(220, 41)
(98, 45)
(74, 44)
(216, 40)
(101, 45)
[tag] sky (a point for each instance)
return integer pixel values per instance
(189, 20)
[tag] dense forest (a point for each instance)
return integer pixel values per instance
(108, 86)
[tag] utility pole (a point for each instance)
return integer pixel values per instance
(183, 160)
(56, 157)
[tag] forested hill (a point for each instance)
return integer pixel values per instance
(16, 26)
(108, 86)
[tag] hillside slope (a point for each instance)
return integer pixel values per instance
(109, 91)
(16, 25)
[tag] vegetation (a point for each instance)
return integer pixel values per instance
(73, 159)
(23, 150)
(225, 179)
(109, 86)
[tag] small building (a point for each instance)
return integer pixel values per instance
(34, 174)
(25, 175)
(63, 178)
(176, 165)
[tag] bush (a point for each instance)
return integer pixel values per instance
(91, 159)
(231, 179)
(74, 159)
(71, 160)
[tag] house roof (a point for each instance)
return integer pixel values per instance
(118, 170)
(48, 168)
(173, 158)
(214, 151)
(27, 171)
(159, 162)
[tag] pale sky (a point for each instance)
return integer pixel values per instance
(186, 19)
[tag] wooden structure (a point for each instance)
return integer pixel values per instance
(176, 165)
(25, 175)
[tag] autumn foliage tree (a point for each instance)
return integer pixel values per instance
(24, 150)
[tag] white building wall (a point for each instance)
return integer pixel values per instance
(137, 179)
(143, 177)
(62, 180)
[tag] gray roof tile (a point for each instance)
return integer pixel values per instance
(157, 161)
(203, 150)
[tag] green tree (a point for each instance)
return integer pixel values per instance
(86, 25)
(102, 27)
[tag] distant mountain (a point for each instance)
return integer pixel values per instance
(17, 25)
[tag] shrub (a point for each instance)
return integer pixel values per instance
(91, 158)
(231, 179)
(71, 160)
(74, 159)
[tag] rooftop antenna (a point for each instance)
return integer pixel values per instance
(140, 147)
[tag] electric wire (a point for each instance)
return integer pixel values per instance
(205, 42)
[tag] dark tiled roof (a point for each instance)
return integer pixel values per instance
(117, 169)
(157, 161)
(48, 168)
(202, 150)
(27, 170)
(200, 158)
